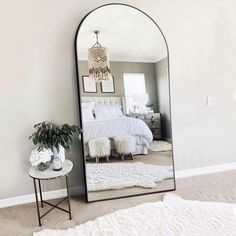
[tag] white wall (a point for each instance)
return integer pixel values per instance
(37, 79)
(163, 96)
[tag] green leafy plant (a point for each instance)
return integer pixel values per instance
(149, 104)
(49, 135)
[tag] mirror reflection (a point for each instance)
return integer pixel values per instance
(124, 89)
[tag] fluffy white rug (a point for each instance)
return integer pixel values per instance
(160, 146)
(123, 175)
(171, 217)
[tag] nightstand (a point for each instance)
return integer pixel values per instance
(153, 121)
(48, 174)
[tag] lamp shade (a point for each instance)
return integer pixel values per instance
(99, 64)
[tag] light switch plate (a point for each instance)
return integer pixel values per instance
(209, 101)
(235, 95)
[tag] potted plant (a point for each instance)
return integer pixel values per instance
(149, 106)
(57, 138)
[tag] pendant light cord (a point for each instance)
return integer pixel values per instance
(97, 37)
(97, 44)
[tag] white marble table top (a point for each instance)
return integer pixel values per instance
(49, 173)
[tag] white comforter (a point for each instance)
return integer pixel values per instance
(116, 127)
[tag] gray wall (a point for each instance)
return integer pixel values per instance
(117, 69)
(162, 82)
(38, 79)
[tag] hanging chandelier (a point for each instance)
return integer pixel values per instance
(98, 62)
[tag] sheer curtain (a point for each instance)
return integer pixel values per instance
(135, 92)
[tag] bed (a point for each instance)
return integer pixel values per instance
(109, 125)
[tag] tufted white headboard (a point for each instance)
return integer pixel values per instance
(106, 100)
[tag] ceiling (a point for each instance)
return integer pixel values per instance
(128, 34)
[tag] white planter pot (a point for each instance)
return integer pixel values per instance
(60, 154)
(56, 163)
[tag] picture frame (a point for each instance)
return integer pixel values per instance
(89, 85)
(108, 86)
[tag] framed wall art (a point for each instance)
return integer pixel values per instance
(108, 86)
(89, 84)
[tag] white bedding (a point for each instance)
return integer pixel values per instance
(115, 127)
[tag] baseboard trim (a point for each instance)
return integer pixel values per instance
(29, 198)
(205, 170)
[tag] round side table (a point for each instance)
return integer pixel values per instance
(47, 175)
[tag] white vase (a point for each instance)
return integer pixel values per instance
(56, 163)
(60, 154)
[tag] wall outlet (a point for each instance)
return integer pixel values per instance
(235, 95)
(209, 101)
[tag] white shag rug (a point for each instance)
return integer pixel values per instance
(160, 146)
(171, 217)
(106, 176)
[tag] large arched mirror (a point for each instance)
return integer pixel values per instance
(123, 85)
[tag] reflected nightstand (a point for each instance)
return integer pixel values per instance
(153, 121)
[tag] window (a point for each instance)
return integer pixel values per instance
(135, 92)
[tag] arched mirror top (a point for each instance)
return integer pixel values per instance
(128, 33)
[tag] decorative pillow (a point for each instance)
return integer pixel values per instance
(107, 111)
(87, 104)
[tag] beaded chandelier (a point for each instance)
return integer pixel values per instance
(98, 62)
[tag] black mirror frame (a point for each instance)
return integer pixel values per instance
(79, 101)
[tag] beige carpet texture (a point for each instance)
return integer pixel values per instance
(22, 220)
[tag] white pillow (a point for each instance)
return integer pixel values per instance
(107, 111)
(87, 104)
(87, 113)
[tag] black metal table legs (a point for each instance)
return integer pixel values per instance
(48, 203)
(68, 196)
(37, 202)
(40, 192)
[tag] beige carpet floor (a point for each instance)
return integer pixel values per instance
(155, 158)
(22, 220)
